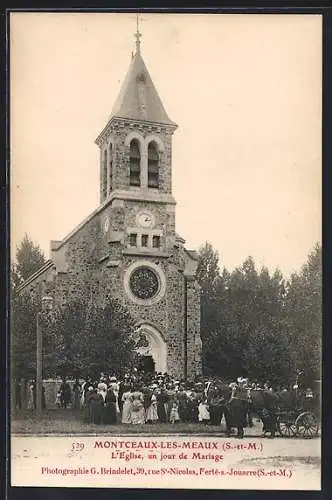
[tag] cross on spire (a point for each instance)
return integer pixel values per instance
(138, 36)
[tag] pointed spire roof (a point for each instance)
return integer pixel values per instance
(138, 98)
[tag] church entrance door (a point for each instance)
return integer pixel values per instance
(146, 364)
(152, 345)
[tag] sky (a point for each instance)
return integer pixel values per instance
(245, 91)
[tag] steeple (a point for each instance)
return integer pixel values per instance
(137, 36)
(136, 143)
(138, 98)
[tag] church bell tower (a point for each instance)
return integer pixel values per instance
(136, 151)
(148, 269)
(142, 162)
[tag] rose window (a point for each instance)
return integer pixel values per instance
(144, 283)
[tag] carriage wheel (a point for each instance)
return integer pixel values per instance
(306, 425)
(287, 429)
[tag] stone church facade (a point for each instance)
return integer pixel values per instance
(128, 247)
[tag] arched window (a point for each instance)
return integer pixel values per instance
(135, 163)
(110, 167)
(153, 166)
(105, 174)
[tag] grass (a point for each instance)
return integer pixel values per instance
(70, 422)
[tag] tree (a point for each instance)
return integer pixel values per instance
(29, 258)
(269, 354)
(239, 318)
(208, 268)
(304, 316)
(80, 337)
(92, 338)
(23, 336)
(244, 320)
(208, 276)
(209, 280)
(24, 311)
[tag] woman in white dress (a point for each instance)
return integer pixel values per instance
(126, 407)
(114, 384)
(174, 413)
(203, 412)
(137, 408)
(152, 412)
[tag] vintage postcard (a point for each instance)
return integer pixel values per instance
(166, 250)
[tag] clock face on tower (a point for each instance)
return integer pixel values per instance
(145, 220)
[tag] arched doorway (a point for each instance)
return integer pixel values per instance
(153, 345)
(146, 364)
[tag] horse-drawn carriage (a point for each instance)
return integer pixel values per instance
(300, 419)
(289, 413)
(299, 423)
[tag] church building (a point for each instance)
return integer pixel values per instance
(129, 247)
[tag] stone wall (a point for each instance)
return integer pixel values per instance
(166, 315)
(97, 267)
(194, 343)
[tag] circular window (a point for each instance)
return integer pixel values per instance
(144, 283)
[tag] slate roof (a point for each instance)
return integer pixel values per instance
(138, 98)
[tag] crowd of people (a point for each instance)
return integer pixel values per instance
(139, 398)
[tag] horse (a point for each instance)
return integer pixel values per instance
(265, 404)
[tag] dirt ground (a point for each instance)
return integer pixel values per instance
(67, 421)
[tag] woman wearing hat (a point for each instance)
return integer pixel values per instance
(151, 412)
(109, 411)
(87, 418)
(96, 407)
(84, 390)
(126, 405)
(183, 404)
(122, 384)
(203, 410)
(162, 399)
(193, 404)
(137, 407)
(171, 398)
(217, 395)
(114, 384)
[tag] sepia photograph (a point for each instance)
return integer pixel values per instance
(166, 260)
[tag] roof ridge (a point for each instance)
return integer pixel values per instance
(44, 267)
